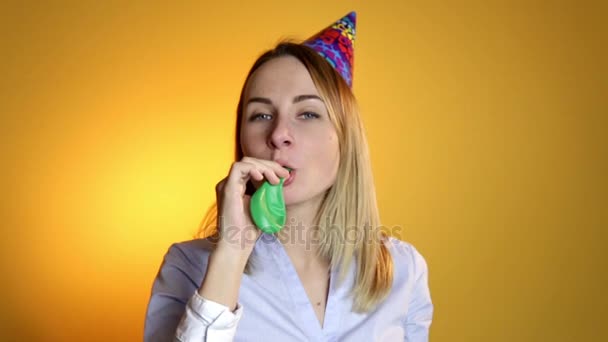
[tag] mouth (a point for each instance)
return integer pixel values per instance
(292, 171)
(289, 180)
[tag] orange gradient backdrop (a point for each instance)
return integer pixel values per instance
(485, 120)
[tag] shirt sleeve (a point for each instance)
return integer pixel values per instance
(176, 312)
(420, 312)
(206, 320)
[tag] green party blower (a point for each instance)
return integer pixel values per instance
(267, 207)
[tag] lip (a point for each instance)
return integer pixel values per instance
(284, 163)
(292, 170)
(289, 180)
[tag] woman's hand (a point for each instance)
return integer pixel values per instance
(238, 233)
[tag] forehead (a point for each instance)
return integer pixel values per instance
(280, 76)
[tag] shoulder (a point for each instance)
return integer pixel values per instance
(182, 269)
(185, 262)
(407, 259)
(194, 252)
(411, 288)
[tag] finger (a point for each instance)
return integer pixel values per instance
(240, 173)
(279, 170)
(271, 176)
(243, 168)
(270, 169)
(282, 172)
(256, 169)
(256, 174)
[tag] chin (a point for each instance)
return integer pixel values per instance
(292, 197)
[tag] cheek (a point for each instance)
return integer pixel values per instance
(334, 154)
(251, 142)
(328, 153)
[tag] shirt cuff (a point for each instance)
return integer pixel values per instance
(206, 320)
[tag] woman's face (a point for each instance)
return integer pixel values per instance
(285, 120)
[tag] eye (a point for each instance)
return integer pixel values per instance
(310, 115)
(260, 116)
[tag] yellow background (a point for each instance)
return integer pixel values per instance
(485, 120)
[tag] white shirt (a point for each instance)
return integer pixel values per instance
(273, 304)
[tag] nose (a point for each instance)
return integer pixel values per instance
(280, 135)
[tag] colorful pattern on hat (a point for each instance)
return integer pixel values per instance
(336, 44)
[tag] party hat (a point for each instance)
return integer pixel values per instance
(336, 44)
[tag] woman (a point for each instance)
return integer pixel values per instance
(330, 274)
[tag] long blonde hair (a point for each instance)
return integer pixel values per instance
(350, 204)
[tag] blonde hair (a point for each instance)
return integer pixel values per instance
(350, 204)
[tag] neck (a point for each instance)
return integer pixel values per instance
(300, 234)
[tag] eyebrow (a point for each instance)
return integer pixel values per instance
(296, 99)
